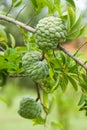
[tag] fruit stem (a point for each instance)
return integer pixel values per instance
(38, 92)
(43, 56)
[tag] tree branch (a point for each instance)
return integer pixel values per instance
(28, 28)
(17, 75)
(12, 20)
(73, 57)
(79, 48)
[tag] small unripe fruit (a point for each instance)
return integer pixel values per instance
(29, 108)
(34, 66)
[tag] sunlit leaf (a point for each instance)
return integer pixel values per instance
(72, 3)
(34, 3)
(39, 121)
(73, 82)
(17, 3)
(13, 43)
(77, 21)
(73, 35)
(71, 17)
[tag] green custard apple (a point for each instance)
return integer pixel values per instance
(29, 108)
(34, 66)
(49, 32)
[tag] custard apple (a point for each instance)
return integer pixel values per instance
(34, 66)
(49, 32)
(29, 108)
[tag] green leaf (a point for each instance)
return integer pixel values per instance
(14, 1)
(82, 29)
(45, 99)
(83, 86)
(57, 2)
(72, 3)
(39, 121)
(3, 36)
(12, 40)
(3, 63)
(77, 21)
(63, 83)
(17, 3)
(73, 35)
(82, 99)
(71, 17)
(21, 49)
(3, 100)
(73, 82)
(34, 3)
(56, 125)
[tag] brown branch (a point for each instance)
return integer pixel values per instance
(28, 28)
(73, 57)
(12, 20)
(79, 48)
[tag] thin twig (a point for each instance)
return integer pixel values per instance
(86, 77)
(2, 49)
(12, 20)
(43, 56)
(38, 92)
(79, 48)
(77, 71)
(30, 19)
(9, 9)
(20, 11)
(85, 62)
(73, 57)
(17, 75)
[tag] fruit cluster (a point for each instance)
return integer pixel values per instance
(49, 32)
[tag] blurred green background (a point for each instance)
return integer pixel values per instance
(64, 111)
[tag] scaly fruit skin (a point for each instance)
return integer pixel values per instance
(49, 32)
(36, 68)
(29, 108)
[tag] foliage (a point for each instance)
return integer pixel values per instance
(63, 69)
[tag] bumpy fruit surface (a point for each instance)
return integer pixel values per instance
(49, 32)
(29, 108)
(36, 68)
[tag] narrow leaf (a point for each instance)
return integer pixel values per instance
(73, 35)
(34, 3)
(18, 3)
(73, 82)
(77, 22)
(82, 29)
(82, 99)
(71, 17)
(72, 3)
(3, 100)
(12, 40)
